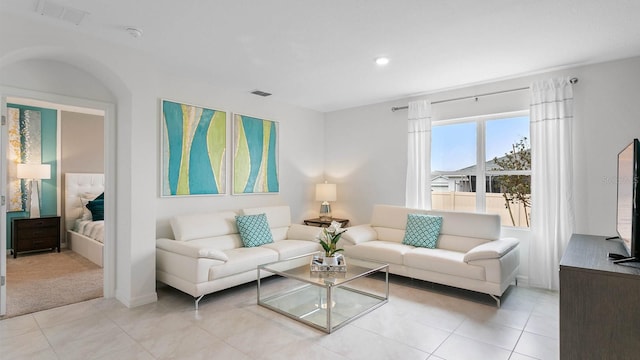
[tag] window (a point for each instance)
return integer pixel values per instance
(495, 148)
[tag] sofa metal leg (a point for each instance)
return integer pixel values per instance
(496, 298)
(198, 300)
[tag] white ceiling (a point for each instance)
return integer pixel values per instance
(319, 54)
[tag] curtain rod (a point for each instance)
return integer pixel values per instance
(396, 108)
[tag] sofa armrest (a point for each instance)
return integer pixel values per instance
(303, 232)
(491, 250)
(359, 234)
(184, 248)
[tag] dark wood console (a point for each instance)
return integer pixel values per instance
(599, 301)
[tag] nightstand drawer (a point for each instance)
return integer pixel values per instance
(29, 232)
(40, 243)
(39, 223)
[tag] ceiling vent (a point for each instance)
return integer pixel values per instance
(261, 93)
(57, 11)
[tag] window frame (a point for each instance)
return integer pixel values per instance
(481, 171)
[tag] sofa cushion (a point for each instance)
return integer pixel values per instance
(290, 248)
(241, 260)
(459, 243)
(382, 251)
(222, 242)
(199, 226)
(358, 234)
(422, 230)
(279, 233)
(471, 225)
(278, 217)
(254, 230)
(303, 232)
(389, 234)
(444, 262)
(395, 217)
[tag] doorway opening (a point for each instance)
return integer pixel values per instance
(71, 140)
(106, 113)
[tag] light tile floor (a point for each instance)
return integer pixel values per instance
(420, 321)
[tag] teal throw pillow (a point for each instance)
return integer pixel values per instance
(97, 209)
(422, 230)
(254, 230)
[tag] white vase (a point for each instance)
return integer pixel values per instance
(330, 260)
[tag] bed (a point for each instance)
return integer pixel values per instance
(84, 236)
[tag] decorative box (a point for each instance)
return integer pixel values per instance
(317, 265)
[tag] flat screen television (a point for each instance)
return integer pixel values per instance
(628, 204)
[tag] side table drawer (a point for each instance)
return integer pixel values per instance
(28, 244)
(40, 223)
(29, 232)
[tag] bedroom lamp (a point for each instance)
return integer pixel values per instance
(325, 193)
(34, 173)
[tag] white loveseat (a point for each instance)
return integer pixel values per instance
(469, 254)
(207, 253)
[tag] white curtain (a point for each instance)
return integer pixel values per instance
(418, 192)
(552, 213)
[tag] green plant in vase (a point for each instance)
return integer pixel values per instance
(329, 238)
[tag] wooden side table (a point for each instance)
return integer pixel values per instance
(325, 223)
(41, 233)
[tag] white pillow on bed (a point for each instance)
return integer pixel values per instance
(84, 200)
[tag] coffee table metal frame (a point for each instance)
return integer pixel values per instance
(354, 302)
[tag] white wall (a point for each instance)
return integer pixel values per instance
(607, 119)
(60, 60)
(301, 152)
(372, 142)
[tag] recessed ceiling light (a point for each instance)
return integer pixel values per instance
(382, 60)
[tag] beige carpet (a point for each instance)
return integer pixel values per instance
(40, 281)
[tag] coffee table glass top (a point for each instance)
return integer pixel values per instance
(324, 300)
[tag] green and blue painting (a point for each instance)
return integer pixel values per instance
(255, 158)
(194, 150)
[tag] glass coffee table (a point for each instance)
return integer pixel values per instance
(323, 300)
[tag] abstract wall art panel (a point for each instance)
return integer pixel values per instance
(25, 147)
(194, 142)
(255, 155)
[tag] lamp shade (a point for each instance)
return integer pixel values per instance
(326, 192)
(34, 171)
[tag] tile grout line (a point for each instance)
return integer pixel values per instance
(129, 335)
(45, 335)
(521, 333)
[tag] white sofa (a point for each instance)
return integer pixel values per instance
(207, 253)
(469, 253)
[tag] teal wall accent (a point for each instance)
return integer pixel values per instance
(49, 189)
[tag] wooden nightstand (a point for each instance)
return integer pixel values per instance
(41, 233)
(325, 223)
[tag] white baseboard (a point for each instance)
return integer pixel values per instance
(522, 280)
(137, 301)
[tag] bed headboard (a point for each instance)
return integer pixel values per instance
(75, 185)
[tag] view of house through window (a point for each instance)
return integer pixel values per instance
(495, 148)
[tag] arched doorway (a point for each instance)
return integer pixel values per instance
(55, 77)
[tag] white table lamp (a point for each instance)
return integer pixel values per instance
(34, 173)
(325, 193)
